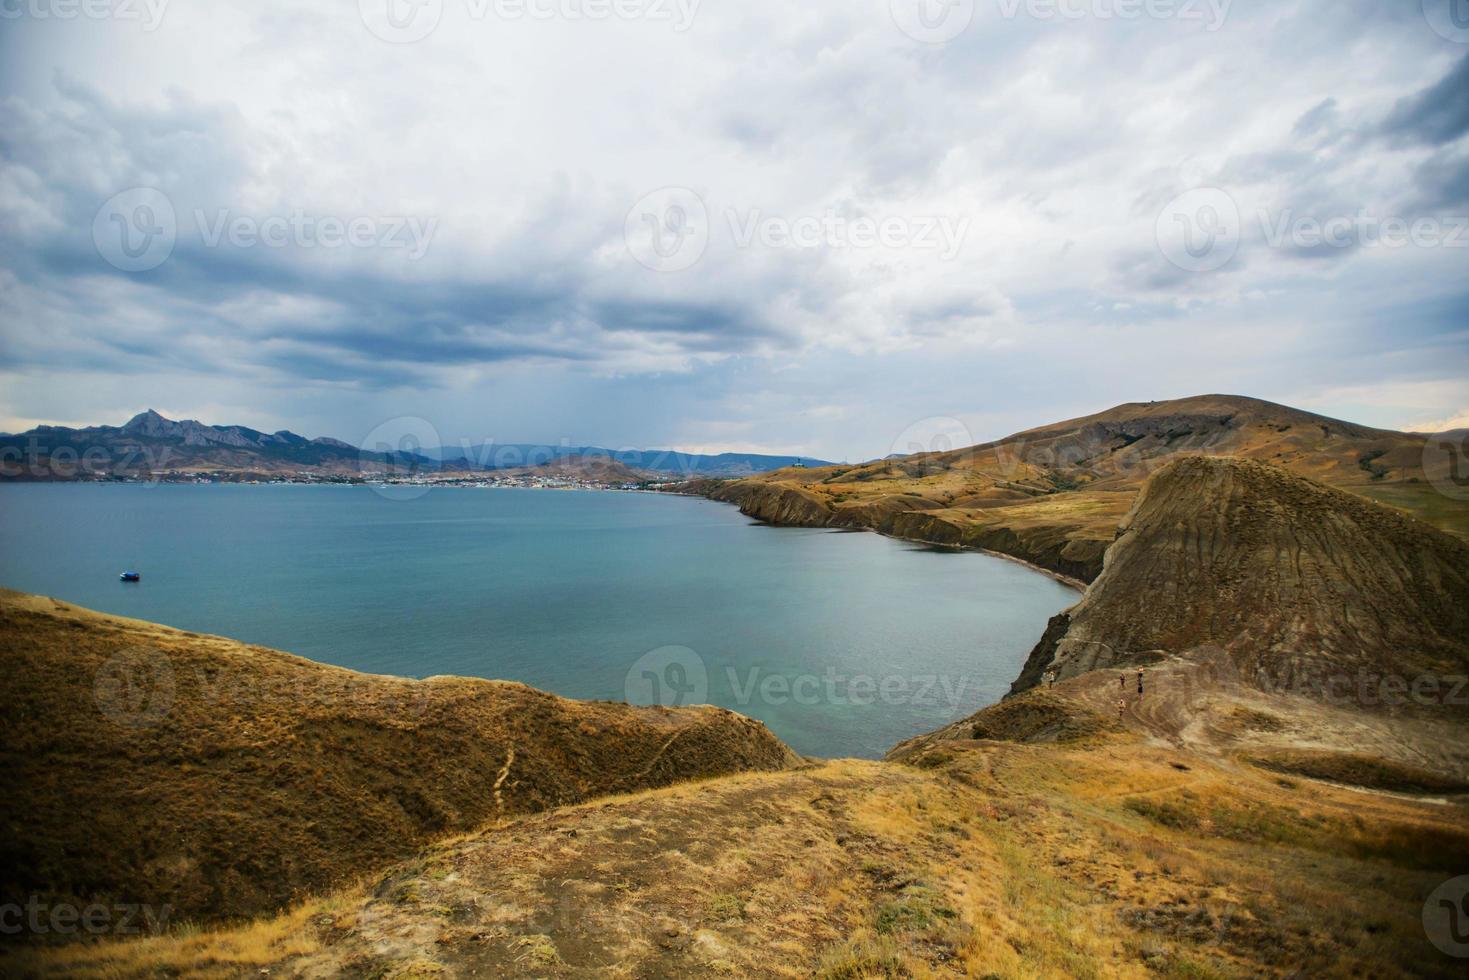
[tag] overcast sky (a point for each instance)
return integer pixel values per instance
(832, 228)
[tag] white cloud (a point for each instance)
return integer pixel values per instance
(1055, 143)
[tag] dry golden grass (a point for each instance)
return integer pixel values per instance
(159, 767)
(1053, 496)
(1112, 858)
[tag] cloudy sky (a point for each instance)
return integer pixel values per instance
(830, 228)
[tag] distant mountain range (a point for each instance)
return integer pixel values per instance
(149, 445)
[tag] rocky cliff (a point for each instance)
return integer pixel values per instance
(1297, 581)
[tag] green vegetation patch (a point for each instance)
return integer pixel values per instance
(918, 909)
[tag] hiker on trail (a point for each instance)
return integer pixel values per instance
(1140, 683)
(1121, 707)
(1122, 682)
(1050, 678)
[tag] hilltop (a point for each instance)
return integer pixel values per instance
(1054, 495)
(1297, 581)
(1276, 618)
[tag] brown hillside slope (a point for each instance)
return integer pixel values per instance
(145, 764)
(1279, 620)
(1112, 858)
(1297, 581)
(1053, 495)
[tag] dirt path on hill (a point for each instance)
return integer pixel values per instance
(1200, 704)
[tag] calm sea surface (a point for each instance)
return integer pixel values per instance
(843, 643)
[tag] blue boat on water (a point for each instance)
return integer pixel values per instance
(131, 576)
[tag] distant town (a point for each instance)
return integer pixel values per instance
(478, 481)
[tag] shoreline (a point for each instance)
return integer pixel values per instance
(1051, 573)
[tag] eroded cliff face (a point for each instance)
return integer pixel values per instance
(1071, 548)
(775, 503)
(1298, 582)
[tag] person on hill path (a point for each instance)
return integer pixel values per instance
(1122, 682)
(1051, 678)
(1140, 683)
(1121, 707)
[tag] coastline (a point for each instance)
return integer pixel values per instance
(1067, 580)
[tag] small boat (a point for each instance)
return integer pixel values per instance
(131, 576)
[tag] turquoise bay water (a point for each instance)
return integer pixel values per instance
(843, 643)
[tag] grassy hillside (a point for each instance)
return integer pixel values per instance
(1243, 815)
(1110, 857)
(1054, 495)
(145, 764)
(1299, 582)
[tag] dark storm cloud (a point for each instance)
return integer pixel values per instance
(1437, 115)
